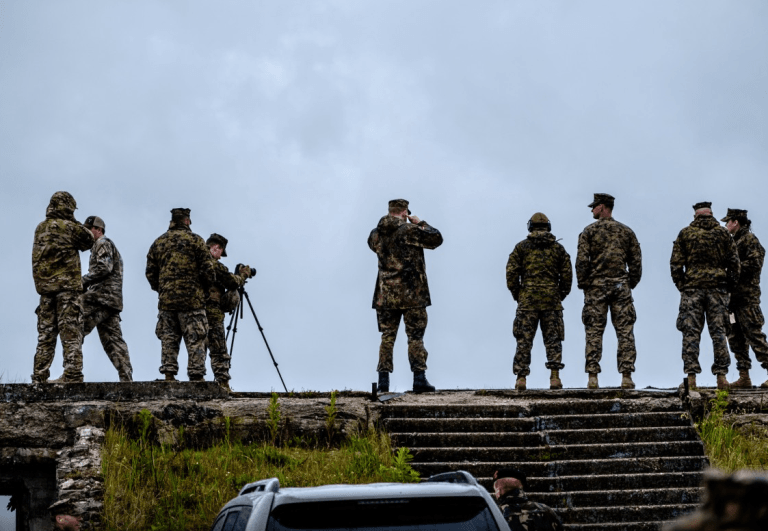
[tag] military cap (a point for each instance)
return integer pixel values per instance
(703, 204)
(539, 220)
(511, 473)
(735, 213)
(94, 221)
(179, 213)
(399, 204)
(221, 240)
(602, 199)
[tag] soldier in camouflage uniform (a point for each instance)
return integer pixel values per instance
(401, 288)
(56, 271)
(746, 327)
(704, 267)
(520, 513)
(608, 267)
(216, 342)
(178, 263)
(539, 276)
(103, 298)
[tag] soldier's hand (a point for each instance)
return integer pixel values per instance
(245, 271)
(414, 219)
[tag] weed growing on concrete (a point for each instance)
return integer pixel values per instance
(169, 487)
(330, 418)
(728, 447)
(274, 418)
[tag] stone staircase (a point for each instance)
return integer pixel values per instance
(604, 459)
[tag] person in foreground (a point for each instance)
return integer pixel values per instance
(520, 513)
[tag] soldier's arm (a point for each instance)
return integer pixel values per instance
(634, 261)
(582, 265)
(152, 271)
(374, 243)
(422, 235)
(205, 263)
(677, 264)
(733, 267)
(82, 237)
(514, 271)
(754, 257)
(101, 264)
(227, 279)
(566, 275)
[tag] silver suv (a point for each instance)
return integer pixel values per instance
(449, 501)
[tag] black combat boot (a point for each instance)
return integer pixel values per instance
(421, 384)
(383, 382)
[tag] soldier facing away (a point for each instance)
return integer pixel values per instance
(216, 340)
(704, 267)
(520, 513)
(608, 267)
(103, 298)
(399, 241)
(178, 262)
(56, 271)
(539, 276)
(746, 326)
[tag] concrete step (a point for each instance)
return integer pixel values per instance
(552, 422)
(553, 437)
(628, 513)
(617, 526)
(585, 467)
(538, 485)
(620, 498)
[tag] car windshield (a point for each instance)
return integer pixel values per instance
(463, 513)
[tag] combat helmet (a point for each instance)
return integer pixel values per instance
(539, 222)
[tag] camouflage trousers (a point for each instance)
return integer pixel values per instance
(747, 332)
(107, 323)
(696, 305)
(415, 325)
(597, 301)
(193, 327)
(216, 344)
(524, 330)
(59, 314)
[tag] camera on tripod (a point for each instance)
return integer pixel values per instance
(250, 275)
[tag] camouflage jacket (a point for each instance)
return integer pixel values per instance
(402, 279)
(751, 257)
(524, 515)
(105, 276)
(704, 256)
(55, 257)
(539, 273)
(224, 280)
(178, 263)
(608, 252)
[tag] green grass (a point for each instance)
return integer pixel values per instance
(732, 448)
(153, 487)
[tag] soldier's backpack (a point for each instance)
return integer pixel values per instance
(230, 300)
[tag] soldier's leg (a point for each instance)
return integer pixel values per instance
(623, 317)
(717, 315)
(47, 332)
(389, 322)
(415, 326)
(217, 345)
(70, 315)
(737, 341)
(168, 331)
(553, 331)
(194, 328)
(524, 330)
(595, 317)
(752, 321)
(111, 336)
(92, 316)
(690, 321)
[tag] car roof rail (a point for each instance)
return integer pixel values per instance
(457, 476)
(265, 485)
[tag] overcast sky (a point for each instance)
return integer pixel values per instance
(287, 126)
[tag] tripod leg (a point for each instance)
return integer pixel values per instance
(234, 320)
(244, 294)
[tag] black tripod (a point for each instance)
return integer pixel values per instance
(233, 325)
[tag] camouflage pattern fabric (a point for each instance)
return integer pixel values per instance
(216, 341)
(402, 278)
(107, 322)
(751, 258)
(59, 314)
(105, 276)
(415, 325)
(178, 263)
(223, 280)
(608, 252)
(524, 330)
(55, 257)
(695, 306)
(171, 327)
(539, 273)
(704, 256)
(747, 332)
(616, 297)
(524, 515)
